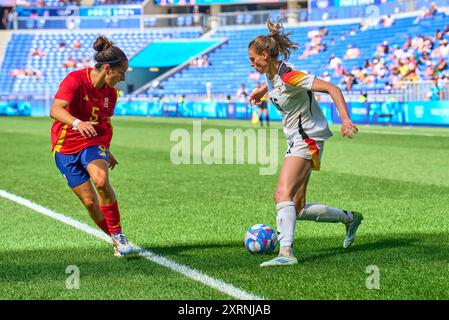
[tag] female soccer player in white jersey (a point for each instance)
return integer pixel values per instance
(306, 129)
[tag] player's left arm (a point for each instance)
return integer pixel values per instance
(112, 160)
(348, 129)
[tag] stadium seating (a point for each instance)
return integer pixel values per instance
(232, 64)
(18, 56)
(117, 2)
(48, 3)
(229, 64)
(389, 7)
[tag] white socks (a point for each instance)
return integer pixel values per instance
(322, 213)
(285, 222)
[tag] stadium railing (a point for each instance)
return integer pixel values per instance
(74, 22)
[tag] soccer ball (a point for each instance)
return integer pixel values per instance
(260, 238)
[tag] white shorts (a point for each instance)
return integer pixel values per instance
(311, 150)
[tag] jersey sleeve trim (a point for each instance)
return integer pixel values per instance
(298, 79)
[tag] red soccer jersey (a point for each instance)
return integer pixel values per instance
(86, 103)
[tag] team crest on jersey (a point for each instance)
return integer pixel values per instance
(86, 98)
(106, 102)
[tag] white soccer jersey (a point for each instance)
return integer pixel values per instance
(290, 91)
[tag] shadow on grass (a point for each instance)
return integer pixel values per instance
(25, 265)
(417, 246)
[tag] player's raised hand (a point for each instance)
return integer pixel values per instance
(86, 128)
(112, 161)
(348, 129)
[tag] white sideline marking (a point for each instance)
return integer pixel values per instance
(188, 272)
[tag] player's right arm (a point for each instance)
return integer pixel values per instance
(68, 92)
(258, 94)
(58, 112)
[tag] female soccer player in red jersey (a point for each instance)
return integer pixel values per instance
(82, 132)
(306, 129)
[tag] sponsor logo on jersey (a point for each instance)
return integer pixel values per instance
(86, 98)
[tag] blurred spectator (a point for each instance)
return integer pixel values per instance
(427, 12)
(4, 19)
(202, 61)
(196, 16)
(26, 73)
(352, 32)
(440, 67)
(446, 30)
(397, 52)
(326, 77)
(69, 63)
(324, 32)
(12, 15)
(429, 71)
(435, 93)
(76, 44)
(209, 91)
(325, 16)
(242, 94)
(383, 49)
(387, 21)
(441, 50)
(62, 45)
(316, 44)
(339, 71)
(36, 52)
(407, 43)
(351, 53)
(254, 75)
(334, 61)
(433, 9)
(349, 80)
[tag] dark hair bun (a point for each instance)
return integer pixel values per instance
(102, 43)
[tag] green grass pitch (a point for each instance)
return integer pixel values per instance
(197, 215)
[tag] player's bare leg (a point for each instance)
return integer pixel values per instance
(322, 213)
(98, 171)
(86, 193)
(293, 175)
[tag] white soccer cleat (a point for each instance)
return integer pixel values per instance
(351, 229)
(280, 261)
(121, 244)
(117, 253)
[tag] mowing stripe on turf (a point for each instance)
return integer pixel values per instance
(405, 133)
(188, 272)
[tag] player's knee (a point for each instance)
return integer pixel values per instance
(90, 203)
(101, 181)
